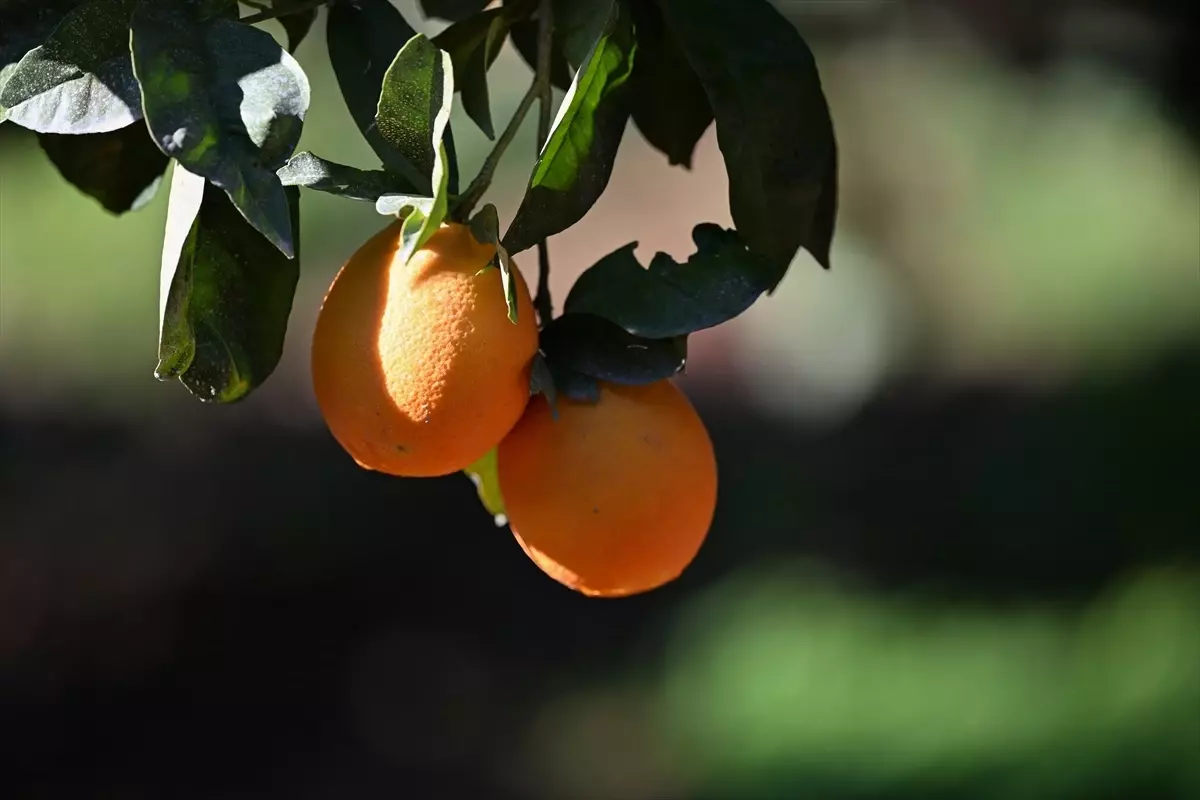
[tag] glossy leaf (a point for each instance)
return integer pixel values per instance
(453, 10)
(226, 294)
(717, 283)
(473, 45)
(485, 475)
(227, 102)
(485, 227)
(79, 81)
(121, 169)
(415, 102)
(773, 122)
(364, 37)
(576, 163)
(313, 172)
(296, 24)
(601, 349)
(668, 103)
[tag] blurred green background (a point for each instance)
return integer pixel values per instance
(956, 545)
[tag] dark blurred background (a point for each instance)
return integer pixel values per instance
(955, 554)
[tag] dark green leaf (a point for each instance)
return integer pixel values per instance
(25, 24)
(312, 172)
(601, 349)
(579, 24)
(414, 105)
(121, 168)
(227, 294)
(773, 122)
(821, 240)
(80, 80)
(718, 282)
(473, 45)
(296, 24)
(227, 102)
(524, 35)
(485, 227)
(574, 166)
(453, 10)
(575, 385)
(364, 37)
(422, 215)
(668, 102)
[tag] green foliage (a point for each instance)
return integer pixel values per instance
(116, 89)
(474, 45)
(121, 168)
(773, 123)
(719, 281)
(296, 22)
(80, 80)
(228, 293)
(226, 102)
(576, 163)
(485, 227)
(600, 349)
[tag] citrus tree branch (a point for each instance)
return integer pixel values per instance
(545, 309)
(467, 200)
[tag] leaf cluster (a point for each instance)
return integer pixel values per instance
(121, 93)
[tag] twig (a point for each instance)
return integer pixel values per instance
(542, 302)
(295, 8)
(467, 200)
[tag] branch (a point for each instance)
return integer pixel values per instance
(467, 200)
(296, 8)
(545, 308)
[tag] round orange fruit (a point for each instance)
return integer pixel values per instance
(612, 498)
(416, 367)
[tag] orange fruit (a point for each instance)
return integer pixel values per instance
(614, 498)
(416, 367)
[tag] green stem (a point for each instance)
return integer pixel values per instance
(296, 8)
(541, 301)
(468, 199)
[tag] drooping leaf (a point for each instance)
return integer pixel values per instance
(821, 240)
(773, 122)
(122, 169)
(414, 104)
(452, 10)
(484, 474)
(717, 283)
(524, 35)
(24, 25)
(421, 215)
(576, 163)
(593, 346)
(313, 172)
(364, 37)
(226, 294)
(473, 45)
(296, 24)
(227, 102)
(80, 80)
(485, 227)
(668, 103)
(574, 385)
